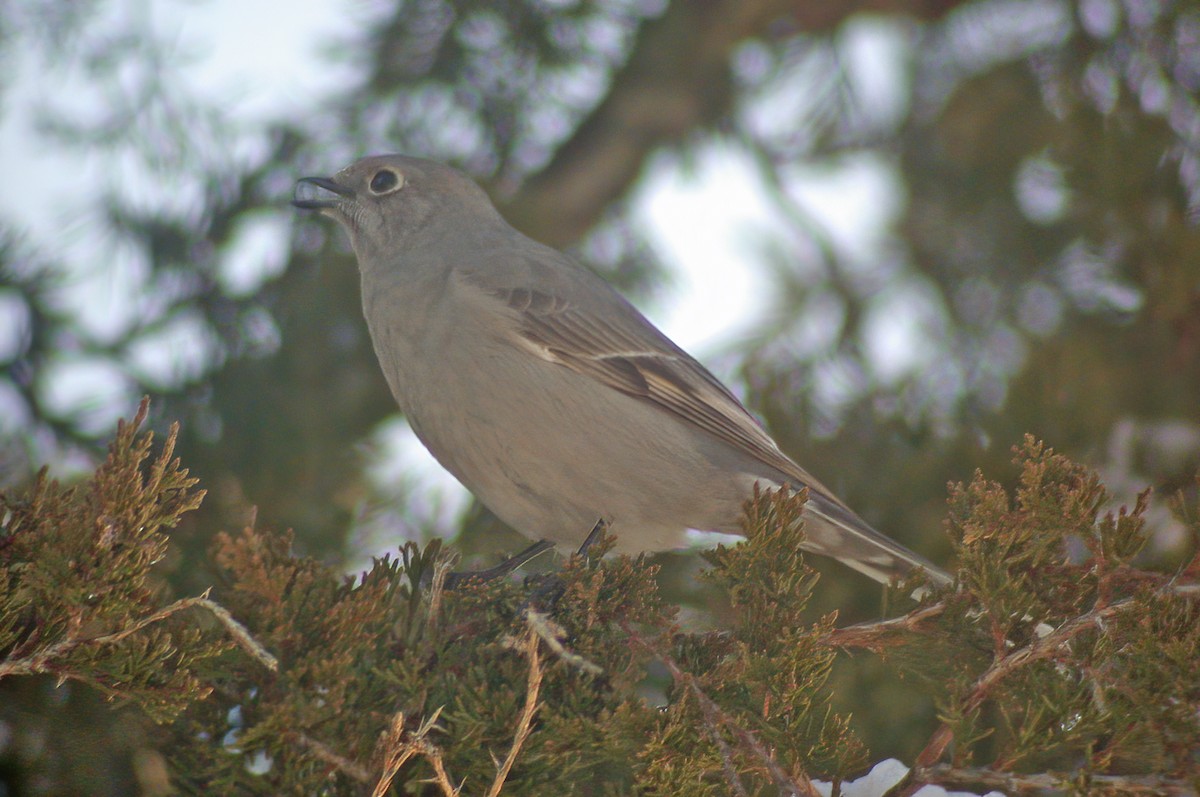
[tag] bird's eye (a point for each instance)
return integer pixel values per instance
(385, 181)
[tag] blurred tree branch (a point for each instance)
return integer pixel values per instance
(676, 81)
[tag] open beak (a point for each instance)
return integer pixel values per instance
(309, 194)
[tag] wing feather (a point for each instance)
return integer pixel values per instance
(643, 363)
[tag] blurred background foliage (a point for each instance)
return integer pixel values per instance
(1042, 270)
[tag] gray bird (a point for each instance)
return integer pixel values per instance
(545, 392)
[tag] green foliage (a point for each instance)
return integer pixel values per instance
(1068, 655)
(359, 654)
(1054, 660)
(78, 599)
(766, 675)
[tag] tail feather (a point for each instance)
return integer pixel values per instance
(835, 531)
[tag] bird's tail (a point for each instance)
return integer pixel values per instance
(833, 530)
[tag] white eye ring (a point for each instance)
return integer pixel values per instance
(385, 181)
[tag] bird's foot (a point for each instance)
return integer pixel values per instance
(457, 579)
(546, 589)
(595, 534)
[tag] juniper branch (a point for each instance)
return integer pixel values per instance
(1036, 651)
(339, 762)
(399, 746)
(872, 636)
(524, 725)
(41, 662)
(786, 783)
(552, 634)
(396, 756)
(712, 726)
(946, 774)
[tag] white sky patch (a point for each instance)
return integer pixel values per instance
(264, 58)
(257, 59)
(898, 337)
(432, 479)
(701, 220)
(178, 350)
(46, 189)
(94, 391)
(874, 51)
(854, 202)
(400, 467)
(14, 324)
(256, 252)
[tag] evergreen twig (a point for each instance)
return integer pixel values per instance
(1039, 649)
(552, 634)
(1012, 782)
(873, 636)
(41, 662)
(400, 746)
(524, 725)
(339, 762)
(716, 718)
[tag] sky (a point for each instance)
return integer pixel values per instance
(265, 59)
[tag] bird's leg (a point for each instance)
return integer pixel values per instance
(457, 579)
(547, 588)
(593, 535)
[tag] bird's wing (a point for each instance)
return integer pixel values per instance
(622, 350)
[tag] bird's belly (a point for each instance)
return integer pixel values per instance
(551, 452)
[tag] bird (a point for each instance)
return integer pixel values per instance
(545, 392)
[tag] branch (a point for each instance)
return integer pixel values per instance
(712, 723)
(945, 774)
(676, 79)
(552, 634)
(714, 717)
(1036, 651)
(434, 755)
(339, 762)
(441, 570)
(873, 636)
(40, 662)
(524, 725)
(398, 753)
(399, 746)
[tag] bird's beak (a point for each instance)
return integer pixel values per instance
(306, 199)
